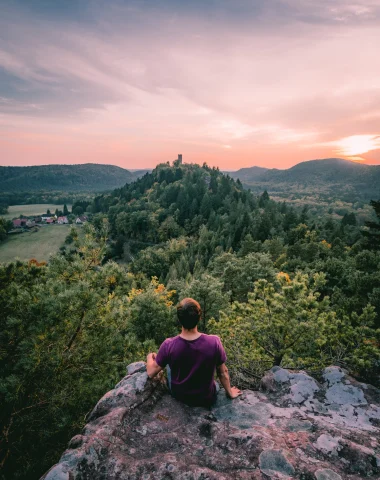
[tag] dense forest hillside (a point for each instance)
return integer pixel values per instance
(69, 178)
(281, 287)
(333, 176)
(174, 201)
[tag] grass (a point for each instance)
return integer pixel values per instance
(39, 244)
(14, 211)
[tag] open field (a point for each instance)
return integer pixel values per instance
(39, 245)
(36, 209)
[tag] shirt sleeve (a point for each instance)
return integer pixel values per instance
(221, 356)
(162, 355)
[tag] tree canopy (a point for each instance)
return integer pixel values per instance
(279, 285)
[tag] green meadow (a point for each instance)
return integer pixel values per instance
(14, 211)
(38, 244)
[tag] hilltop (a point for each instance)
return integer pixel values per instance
(331, 176)
(69, 178)
(175, 201)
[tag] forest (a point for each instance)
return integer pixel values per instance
(279, 285)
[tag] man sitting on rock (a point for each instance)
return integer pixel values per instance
(192, 358)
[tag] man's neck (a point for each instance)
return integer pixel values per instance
(191, 334)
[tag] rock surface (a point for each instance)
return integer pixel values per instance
(296, 427)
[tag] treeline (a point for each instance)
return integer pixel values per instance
(31, 198)
(279, 286)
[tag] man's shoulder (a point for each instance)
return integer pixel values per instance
(170, 340)
(212, 337)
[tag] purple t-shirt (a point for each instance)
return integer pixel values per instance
(192, 364)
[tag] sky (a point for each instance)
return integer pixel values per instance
(233, 83)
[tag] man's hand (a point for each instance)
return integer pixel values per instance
(234, 392)
(151, 366)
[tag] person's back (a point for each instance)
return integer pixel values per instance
(192, 358)
(192, 367)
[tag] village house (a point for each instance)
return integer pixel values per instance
(30, 223)
(81, 219)
(62, 220)
(19, 222)
(45, 217)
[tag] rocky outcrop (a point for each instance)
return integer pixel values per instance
(296, 427)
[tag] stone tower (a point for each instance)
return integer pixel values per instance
(180, 158)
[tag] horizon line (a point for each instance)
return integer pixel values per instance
(359, 162)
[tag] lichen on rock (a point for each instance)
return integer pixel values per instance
(296, 427)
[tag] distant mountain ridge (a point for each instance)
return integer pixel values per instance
(70, 178)
(249, 173)
(332, 176)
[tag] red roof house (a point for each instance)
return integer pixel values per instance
(17, 223)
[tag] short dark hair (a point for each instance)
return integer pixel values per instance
(189, 313)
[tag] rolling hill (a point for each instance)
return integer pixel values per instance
(69, 178)
(332, 176)
(249, 174)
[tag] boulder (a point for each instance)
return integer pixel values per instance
(296, 427)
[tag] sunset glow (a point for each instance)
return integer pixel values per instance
(357, 145)
(235, 84)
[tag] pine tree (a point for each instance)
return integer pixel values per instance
(373, 232)
(290, 219)
(206, 206)
(349, 219)
(248, 245)
(264, 199)
(304, 214)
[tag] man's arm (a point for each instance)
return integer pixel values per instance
(224, 378)
(152, 366)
